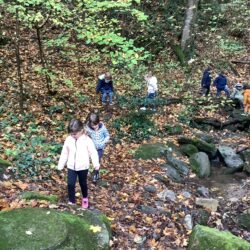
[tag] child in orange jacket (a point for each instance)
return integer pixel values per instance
(246, 100)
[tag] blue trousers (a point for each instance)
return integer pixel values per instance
(106, 94)
(226, 90)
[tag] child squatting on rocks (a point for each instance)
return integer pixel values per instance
(77, 150)
(100, 136)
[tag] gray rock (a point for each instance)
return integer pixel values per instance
(188, 222)
(211, 204)
(246, 156)
(231, 159)
(147, 209)
(200, 164)
(172, 173)
(203, 191)
(150, 188)
(179, 165)
(167, 195)
(163, 179)
(186, 194)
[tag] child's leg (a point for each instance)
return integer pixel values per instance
(82, 175)
(227, 91)
(218, 93)
(100, 154)
(110, 97)
(72, 175)
(104, 96)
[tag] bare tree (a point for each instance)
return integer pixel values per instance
(187, 39)
(18, 61)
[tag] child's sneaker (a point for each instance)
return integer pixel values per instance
(85, 203)
(96, 176)
(71, 203)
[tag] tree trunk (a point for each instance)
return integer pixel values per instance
(18, 61)
(43, 59)
(187, 39)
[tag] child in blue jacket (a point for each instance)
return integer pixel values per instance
(206, 81)
(100, 136)
(105, 86)
(220, 83)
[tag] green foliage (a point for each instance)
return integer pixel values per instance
(136, 126)
(31, 153)
(231, 46)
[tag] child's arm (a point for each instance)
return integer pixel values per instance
(106, 135)
(63, 157)
(93, 154)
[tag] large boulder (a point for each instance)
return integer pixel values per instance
(200, 164)
(36, 228)
(231, 159)
(205, 238)
(203, 146)
(188, 149)
(150, 151)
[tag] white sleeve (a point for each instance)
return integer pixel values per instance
(101, 77)
(64, 156)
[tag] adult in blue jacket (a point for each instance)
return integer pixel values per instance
(206, 82)
(105, 87)
(220, 83)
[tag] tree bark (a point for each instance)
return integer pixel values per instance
(18, 61)
(42, 58)
(187, 38)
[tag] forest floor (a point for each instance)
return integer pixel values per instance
(121, 193)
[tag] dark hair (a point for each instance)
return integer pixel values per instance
(93, 119)
(75, 125)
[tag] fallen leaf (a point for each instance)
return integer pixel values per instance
(95, 229)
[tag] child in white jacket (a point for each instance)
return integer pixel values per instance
(77, 150)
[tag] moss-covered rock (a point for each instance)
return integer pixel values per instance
(205, 238)
(188, 149)
(244, 221)
(203, 146)
(39, 196)
(200, 164)
(150, 151)
(36, 228)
